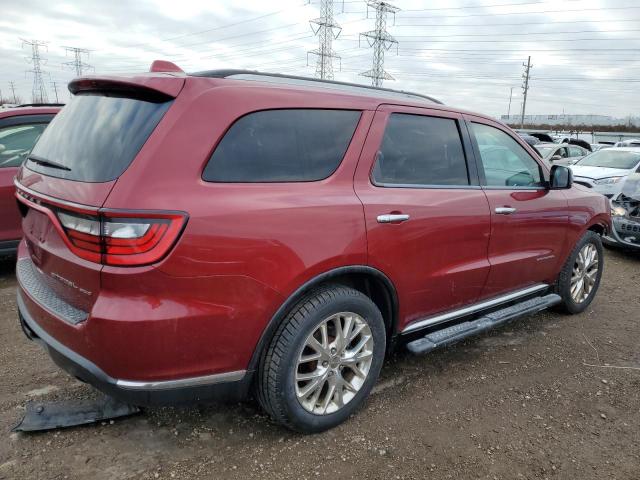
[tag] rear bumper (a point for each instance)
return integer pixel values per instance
(224, 386)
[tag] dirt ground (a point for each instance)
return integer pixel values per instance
(517, 403)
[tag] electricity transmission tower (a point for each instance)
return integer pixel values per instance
(525, 88)
(326, 29)
(77, 64)
(39, 92)
(13, 91)
(380, 40)
(55, 89)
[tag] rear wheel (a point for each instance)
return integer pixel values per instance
(323, 360)
(580, 277)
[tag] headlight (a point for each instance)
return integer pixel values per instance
(608, 181)
(618, 212)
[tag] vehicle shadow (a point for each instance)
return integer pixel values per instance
(7, 266)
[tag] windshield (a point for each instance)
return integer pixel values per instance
(611, 159)
(95, 137)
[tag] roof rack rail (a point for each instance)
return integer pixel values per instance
(230, 73)
(41, 105)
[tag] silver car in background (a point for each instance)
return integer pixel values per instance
(561, 154)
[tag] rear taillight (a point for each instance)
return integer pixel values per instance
(121, 238)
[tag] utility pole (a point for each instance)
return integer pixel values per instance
(380, 40)
(77, 64)
(55, 89)
(509, 109)
(13, 91)
(39, 92)
(326, 29)
(525, 88)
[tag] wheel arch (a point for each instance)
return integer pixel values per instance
(370, 281)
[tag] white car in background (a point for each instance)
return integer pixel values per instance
(606, 170)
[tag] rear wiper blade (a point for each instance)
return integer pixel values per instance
(48, 163)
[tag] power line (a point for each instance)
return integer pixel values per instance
(522, 13)
(380, 40)
(38, 92)
(326, 29)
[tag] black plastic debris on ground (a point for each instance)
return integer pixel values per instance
(71, 413)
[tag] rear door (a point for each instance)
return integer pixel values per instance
(528, 221)
(427, 218)
(18, 135)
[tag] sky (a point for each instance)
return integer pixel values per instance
(467, 53)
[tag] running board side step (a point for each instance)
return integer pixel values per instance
(455, 333)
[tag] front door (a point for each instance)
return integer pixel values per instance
(528, 221)
(427, 217)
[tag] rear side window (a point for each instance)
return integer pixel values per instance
(299, 145)
(421, 151)
(17, 141)
(95, 137)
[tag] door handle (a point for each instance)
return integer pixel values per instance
(505, 210)
(393, 218)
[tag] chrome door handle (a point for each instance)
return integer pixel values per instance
(505, 210)
(392, 218)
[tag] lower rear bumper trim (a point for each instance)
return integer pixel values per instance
(228, 385)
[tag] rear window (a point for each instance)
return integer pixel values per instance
(299, 145)
(95, 137)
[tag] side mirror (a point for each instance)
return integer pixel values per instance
(561, 178)
(555, 157)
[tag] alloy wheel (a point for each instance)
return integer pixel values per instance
(585, 272)
(334, 363)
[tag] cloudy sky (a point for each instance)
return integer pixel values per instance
(468, 53)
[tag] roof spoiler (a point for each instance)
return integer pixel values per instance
(152, 88)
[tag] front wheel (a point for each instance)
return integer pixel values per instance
(323, 360)
(580, 277)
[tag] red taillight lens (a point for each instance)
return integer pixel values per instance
(122, 238)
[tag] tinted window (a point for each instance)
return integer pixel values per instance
(505, 162)
(282, 146)
(419, 150)
(17, 141)
(96, 137)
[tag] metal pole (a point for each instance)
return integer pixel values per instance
(509, 110)
(525, 90)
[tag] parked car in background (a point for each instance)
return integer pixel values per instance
(561, 154)
(606, 171)
(625, 212)
(628, 143)
(20, 129)
(234, 230)
(600, 146)
(529, 139)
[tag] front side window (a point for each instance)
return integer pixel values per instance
(17, 141)
(421, 151)
(297, 145)
(505, 162)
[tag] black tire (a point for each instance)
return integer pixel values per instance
(276, 385)
(563, 285)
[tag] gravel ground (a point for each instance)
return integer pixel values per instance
(517, 403)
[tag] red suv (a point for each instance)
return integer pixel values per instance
(20, 129)
(226, 232)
